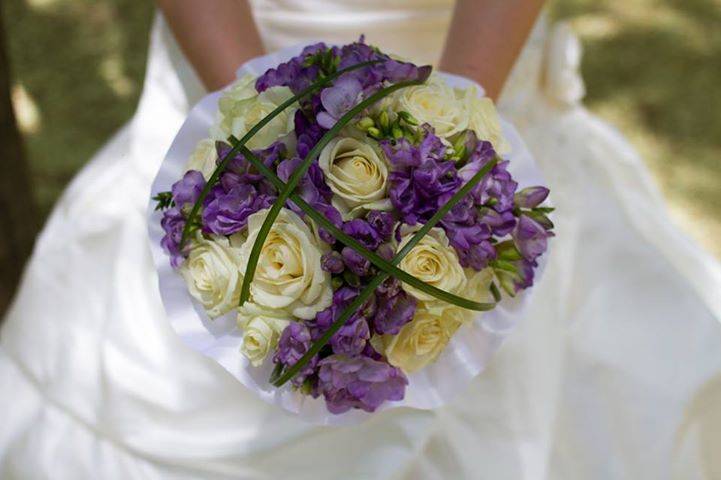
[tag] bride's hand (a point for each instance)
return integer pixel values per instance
(217, 36)
(485, 38)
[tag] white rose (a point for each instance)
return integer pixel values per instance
(421, 340)
(433, 261)
(485, 122)
(261, 331)
(212, 276)
(241, 107)
(437, 104)
(357, 174)
(203, 158)
(289, 276)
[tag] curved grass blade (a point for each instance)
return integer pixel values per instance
(346, 239)
(378, 279)
(255, 129)
(298, 174)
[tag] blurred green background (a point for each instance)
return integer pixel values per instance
(652, 67)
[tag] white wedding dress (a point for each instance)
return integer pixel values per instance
(615, 373)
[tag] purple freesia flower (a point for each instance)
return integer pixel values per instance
(355, 262)
(338, 99)
(359, 382)
(500, 224)
(226, 211)
(364, 232)
(530, 197)
(323, 320)
(530, 238)
(351, 338)
(374, 76)
(307, 133)
(187, 190)
(382, 223)
(332, 262)
(394, 308)
(294, 342)
(293, 73)
(173, 223)
(240, 171)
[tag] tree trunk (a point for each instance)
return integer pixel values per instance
(18, 212)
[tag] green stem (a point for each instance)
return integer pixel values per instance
(346, 239)
(298, 174)
(255, 129)
(378, 279)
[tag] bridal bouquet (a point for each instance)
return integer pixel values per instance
(352, 213)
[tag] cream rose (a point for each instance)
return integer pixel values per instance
(437, 104)
(203, 158)
(357, 174)
(289, 276)
(212, 276)
(421, 340)
(241, 107)
(485, 122)
(433, 261)
(261, 331)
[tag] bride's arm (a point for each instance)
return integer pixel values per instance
(485, 38)
(216, 36)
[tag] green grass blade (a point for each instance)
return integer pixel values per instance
(378, 279)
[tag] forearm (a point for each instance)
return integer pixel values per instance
(216, 36)
(486, 37)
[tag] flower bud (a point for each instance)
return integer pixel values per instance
(374, 132)
(530, 197)
(408, 118)
(384, 121)
(355, 262)
(332, 262)
(365, 123)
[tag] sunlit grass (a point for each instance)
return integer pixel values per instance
(653, 68)
(81, 62)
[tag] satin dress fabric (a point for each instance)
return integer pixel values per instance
(614, 374)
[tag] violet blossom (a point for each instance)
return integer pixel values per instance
(359, 382)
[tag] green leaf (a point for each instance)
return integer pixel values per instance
(545, 210)
(164, 199)
(298, 174)
(380, 278)
(255, 129)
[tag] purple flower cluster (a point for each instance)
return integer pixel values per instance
(301, 71)
(359, 382)
(239, 193)
(184, 194)
(423, 180)
(294, 342)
